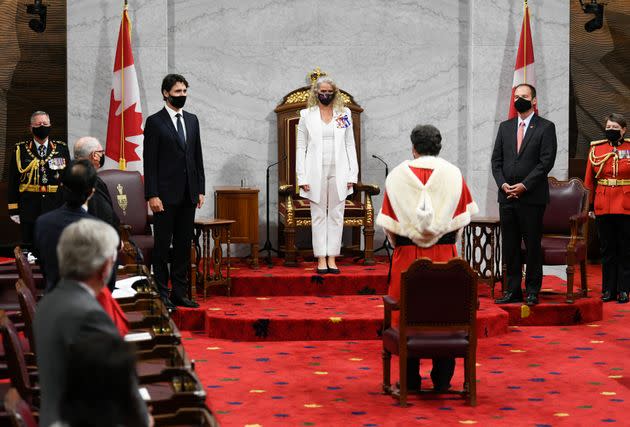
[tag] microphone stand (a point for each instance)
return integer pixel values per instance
(386, 245)
(268, 246)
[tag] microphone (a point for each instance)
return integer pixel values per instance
(273, 164)
(382, 161)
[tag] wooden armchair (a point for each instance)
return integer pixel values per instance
(437, 320)
(293, 210)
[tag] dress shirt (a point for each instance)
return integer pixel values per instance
(526, 120)
(172, 113)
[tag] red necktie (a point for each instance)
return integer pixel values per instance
(519, 136)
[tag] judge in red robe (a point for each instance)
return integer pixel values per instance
(426, 202)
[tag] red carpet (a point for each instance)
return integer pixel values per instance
(532, 376)
(354, 317)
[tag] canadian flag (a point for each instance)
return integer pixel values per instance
(524, 68)
(124, 144)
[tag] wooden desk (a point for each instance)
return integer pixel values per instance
(214, 229)
(481, 247)
(241, 205)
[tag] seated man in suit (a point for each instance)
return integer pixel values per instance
(87, 253)
(100, 204)
(77, 187)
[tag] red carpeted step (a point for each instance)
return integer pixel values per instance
(308, 318)
(355, 278)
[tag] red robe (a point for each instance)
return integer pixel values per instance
(112, 308)
(459, 215)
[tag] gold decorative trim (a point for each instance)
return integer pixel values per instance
(369, 210)
(296, 97)
(13, 206)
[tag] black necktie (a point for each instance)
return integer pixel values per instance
(42, 151)
(180, 130)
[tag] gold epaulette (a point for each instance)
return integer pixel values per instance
(21, 143)
(601, 141)
(58, 142)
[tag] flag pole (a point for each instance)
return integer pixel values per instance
(122, 164)
(525, 20)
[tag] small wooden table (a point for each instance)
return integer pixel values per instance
(219, 230)
(481, 247)
(241, 205)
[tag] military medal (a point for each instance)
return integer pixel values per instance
(44, 179)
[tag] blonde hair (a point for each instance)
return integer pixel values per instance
(338, 104)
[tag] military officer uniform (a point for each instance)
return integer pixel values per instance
(608, 179)
(34, 176)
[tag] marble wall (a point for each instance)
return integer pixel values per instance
(449, 63)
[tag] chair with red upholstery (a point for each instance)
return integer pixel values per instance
(17, 363)
(437, 320)
(126, 189)
(25, 271)
(27, 307)
(18, 410)
(565, 231)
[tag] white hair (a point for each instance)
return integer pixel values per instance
(85, 146)
(84, 247)
(39, 113)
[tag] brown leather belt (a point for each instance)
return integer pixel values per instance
(612, 182)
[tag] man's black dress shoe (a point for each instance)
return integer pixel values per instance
(333, 270)
(508, 297)
(321, 270)
(169, 305)
(532, 299)
(608, 296)
(185, 302)
(622, 298)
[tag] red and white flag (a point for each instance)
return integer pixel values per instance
(524, 68)
(124, 144)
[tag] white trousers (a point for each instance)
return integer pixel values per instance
(327, 216)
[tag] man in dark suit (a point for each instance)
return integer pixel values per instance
(77, 188)
(524, 153)
(100, 204)
(87, 255)
(174, 183)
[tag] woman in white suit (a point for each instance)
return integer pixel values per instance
(326, 167)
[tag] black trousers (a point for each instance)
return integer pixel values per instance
(614, 241)
(521, 222)
(441, 373)
(176, 224)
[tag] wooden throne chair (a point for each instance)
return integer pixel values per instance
(293, 210)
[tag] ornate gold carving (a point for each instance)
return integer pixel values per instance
(290, 212)
(122, 199)
(296, 97)
(353, 222)
(303, 223)
(369, 211)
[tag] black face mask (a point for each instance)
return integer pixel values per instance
(41, 132)
(522, 104)
(325, 98)
(101, 161)
(177, 101)
(613, 135)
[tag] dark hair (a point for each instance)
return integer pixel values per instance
(617, 118)
(532, 89)
(169, 81)
(78, 182)
(426, 139)
(100, 385)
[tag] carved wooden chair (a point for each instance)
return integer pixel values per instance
(437, 306)
(293, 210)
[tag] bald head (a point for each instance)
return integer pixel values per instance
(88, 148)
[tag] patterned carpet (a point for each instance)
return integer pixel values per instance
(531, 376)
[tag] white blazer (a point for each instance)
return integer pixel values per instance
(309, 154)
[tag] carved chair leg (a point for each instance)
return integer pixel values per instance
(387, 364)
(368, 233)
(290, 252)
(583, 278)
(402, 380)
(570, 274)
(472, 378)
